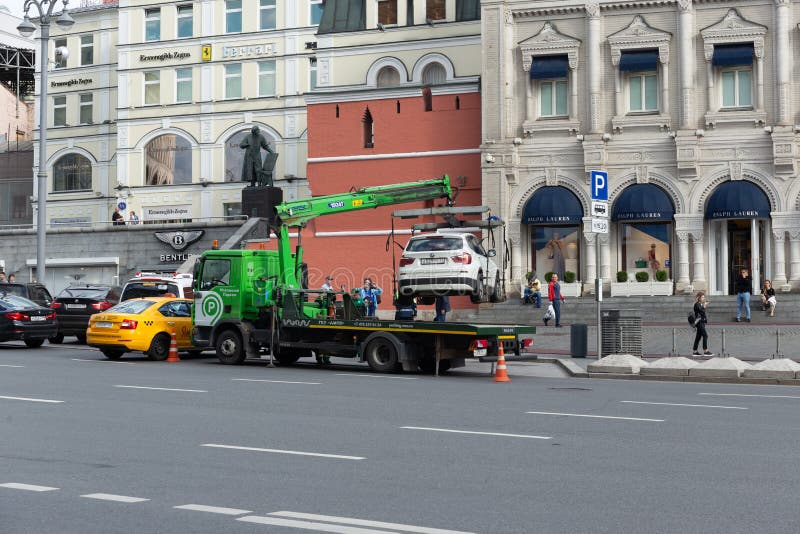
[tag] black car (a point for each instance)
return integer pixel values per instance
(75, 304)
(31, 291)
(23, 319)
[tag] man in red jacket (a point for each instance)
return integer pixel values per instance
(556, 298)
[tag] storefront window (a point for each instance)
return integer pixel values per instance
(169, 161)
(646, 248)
(72, 172)
(556, 249)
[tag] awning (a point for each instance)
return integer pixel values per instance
(553, 205)
(729, 55)
(643, 202)
(738, 200)
(544, 67)
(638, 60)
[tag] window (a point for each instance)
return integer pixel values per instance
(215, 272)
(266, 78)
(312, 82)
(388, 77)
(436, 9)
(316, 11)
(152, 88)
(233, 16)
(387, 12)
(266, 15)
(86, 109)
(61, 63)
(168, 160)
(60, 110)
(737, 88)
(427, 99)
(87, 49)
(152, 24)
(233, 81)
(643, 92)
(234, 155)
(434, 74)
(72, 172)
(185, 21)
(183, 85)
(232, 209)
(553, 98)
(369, 130)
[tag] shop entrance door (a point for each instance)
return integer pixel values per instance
(740, 248)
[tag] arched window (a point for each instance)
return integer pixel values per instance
(369, 129)
(234, 155)
(434, 74)
(388, 77)
(169, 161)
(72, 172)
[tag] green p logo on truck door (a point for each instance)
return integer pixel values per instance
(209, 310)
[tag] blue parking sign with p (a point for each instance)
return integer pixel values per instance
(599, 181)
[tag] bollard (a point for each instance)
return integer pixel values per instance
(722, 352)
(674, 342)
(778, 353)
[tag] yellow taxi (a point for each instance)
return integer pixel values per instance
(142, 325)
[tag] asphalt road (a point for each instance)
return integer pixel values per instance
(85, 447)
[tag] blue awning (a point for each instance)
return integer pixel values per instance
(544, 67)
(643, 202)
(730, 55)
(638, 60)
(553, 205)
(738, 200)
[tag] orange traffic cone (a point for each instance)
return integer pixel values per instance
(501, 375)
(173, 350)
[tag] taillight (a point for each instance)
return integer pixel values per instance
(56, 305)
(14, 316)
(104, 305)
(527, 342)
(51, 316)
(406, 261)
(479, 344)
(464, 257)
(128, 325)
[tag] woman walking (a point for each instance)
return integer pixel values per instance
(700, 321)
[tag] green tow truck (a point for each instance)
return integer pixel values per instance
(250, 303)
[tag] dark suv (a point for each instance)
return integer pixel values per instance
(75, 304)
(32, 291)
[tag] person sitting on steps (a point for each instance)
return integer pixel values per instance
(768, 299)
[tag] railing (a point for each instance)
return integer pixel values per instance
(81, 226)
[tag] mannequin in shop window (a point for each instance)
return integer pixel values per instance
(651, 259)
(557, 254)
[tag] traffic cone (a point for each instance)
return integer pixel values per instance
(501, 375)
(173, 350)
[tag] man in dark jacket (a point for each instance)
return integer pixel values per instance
(744, 284)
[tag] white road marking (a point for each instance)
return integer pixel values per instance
(688, 405)
(115, 498)
(474, 432)
(363, 375)
(6, 365)
(309, 525)
(212, 509)
(365, 523)
(32, 400)
(275, 381)
(599, 416)
(162, 389)
(101, 361)
(26, 487)
(279, 451)
(746, 395)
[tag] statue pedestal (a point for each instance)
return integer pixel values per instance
(260, 201)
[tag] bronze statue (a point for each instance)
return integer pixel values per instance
(253, 169)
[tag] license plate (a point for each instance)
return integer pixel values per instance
(479, 352)
(38, 318)
(432, 261)
(103, 324)
(76, 306)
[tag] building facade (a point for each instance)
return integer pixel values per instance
(691, 108)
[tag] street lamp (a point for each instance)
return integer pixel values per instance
(26, 29)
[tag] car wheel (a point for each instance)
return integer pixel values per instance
(57, 339)
(381, 355)
(477, 296)
(81, 338)
(34, 343)
(112, 354)
(159, 348)
(229, 348)
(495, 296)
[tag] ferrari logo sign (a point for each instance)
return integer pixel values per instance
(205, 52)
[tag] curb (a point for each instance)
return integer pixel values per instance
(700, 379)
(571, 368)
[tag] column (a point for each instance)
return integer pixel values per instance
(710, 88)
(779, 256)
(783, 54)
(686, 62)
(619, 109)
(794, 257)
(683, 259)
(573, 85)
(664, 83)
(517, 272)
(605, 256)
(529, 106)
(593, 64)
(698, 262)
(591, 259)
(759, 64)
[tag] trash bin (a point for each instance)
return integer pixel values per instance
(578, 340)
(621, 332)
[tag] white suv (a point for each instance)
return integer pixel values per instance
(154, 285)
(448, 263)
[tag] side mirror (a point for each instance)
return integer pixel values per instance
(491, 253)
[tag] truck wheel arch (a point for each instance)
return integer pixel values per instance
(403, 348)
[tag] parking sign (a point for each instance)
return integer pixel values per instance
(599, 183)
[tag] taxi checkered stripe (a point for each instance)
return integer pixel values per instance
(149, 323)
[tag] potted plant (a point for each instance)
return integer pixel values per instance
(641, 284)
(661, 275)
(642, 276)
(569, 277)
(622, 276)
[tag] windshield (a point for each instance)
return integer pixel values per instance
(131, 307)
(84, 292)
(13, 302)
(135, 290)
(434, 243)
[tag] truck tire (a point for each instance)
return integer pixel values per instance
(159, 348)
(230, 349)
(112, 354)
(33, 343)
(381, 355)
(478, 296)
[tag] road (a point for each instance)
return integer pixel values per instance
(92, 446)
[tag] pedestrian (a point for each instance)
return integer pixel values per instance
(442, 307)
(117, 218)
(533, 292)
(133, 218)
(406, 309)
(371, 295)
(12, 278)
(556, 298)
(744, 285)
(768, 299)
(700, 305)
(3, 278)
(328, 285)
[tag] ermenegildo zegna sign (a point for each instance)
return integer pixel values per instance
(70, 83)
(164, 56)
